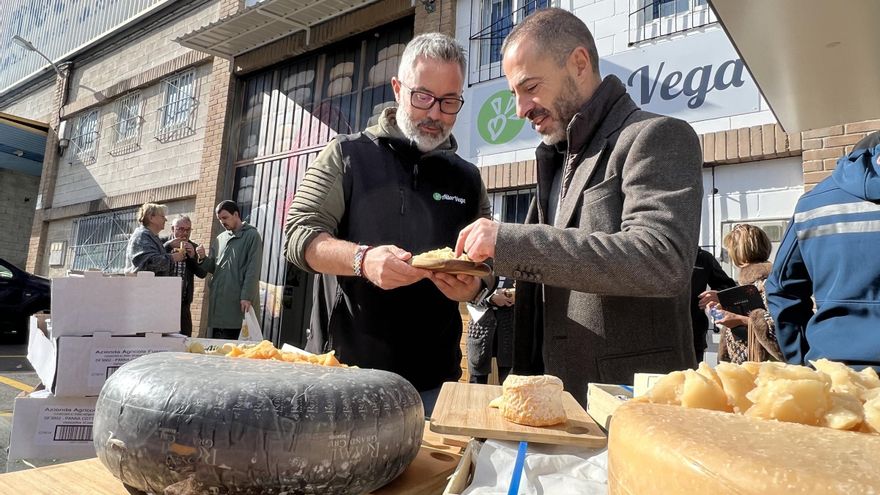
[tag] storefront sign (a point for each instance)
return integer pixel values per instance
(698, 77)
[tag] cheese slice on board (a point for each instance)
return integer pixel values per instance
(663, 449)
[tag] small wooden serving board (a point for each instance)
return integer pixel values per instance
(453, 267)
(463, 409)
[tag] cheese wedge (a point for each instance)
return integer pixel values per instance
(671, 450)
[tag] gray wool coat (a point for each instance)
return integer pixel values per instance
(604, 291)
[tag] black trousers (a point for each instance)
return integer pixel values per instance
(225, 333)
(186, 322)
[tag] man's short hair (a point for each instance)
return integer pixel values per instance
(434, 46)
(557, 33)
(227, 205)
(181, 218)
(149, 209)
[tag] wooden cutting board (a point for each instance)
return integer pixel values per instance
(453, 267)
(427, 475)
(463, 409)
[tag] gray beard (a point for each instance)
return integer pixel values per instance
(410, 129)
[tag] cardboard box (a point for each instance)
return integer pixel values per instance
(119, 305)
(603, 399)
(48, 427)
(642, 382)
(72, 366)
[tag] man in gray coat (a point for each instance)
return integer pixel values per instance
(607, 248)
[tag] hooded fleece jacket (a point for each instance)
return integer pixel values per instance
(830, 252)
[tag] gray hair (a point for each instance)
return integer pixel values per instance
(181, 218)
(557, 32)
(434, 46)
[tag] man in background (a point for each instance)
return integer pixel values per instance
(186, 269)
(235, 261)
(707, 273)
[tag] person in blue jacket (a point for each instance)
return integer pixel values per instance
(829, 253)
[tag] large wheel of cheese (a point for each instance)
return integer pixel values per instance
(218, 425)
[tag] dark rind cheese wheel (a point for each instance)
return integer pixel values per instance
(212, 424)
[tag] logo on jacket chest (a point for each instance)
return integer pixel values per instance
(449, 197)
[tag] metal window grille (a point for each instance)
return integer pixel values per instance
(493, 20)
(127, 128)
(511, 206)
(84, 140)
(651, 19)
(176, 117)
(99, 241)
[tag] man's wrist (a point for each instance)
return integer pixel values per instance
(480, 295)
(357, 264)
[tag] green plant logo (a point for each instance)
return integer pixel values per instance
(437, 196)
(497, 122)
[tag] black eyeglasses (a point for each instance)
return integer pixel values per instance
(424, 101)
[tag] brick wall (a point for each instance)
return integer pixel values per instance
(822, 148)
(149, 164)
(212, 187)
(18, 195)
(37, 242)
(442, 19)
(152, 49)
(749, 144)
(35, 106)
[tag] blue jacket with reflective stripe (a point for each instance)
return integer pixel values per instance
(831, 251)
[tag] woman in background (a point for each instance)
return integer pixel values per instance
(751, 337)
(145, 251)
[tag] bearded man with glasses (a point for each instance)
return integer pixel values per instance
(367, 203)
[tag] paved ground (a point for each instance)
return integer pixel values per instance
(16, 375)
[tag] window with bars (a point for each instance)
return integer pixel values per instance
(99, 241)
(649, 19)
(511, 206)
(177, 114)
(84, 137)
(492, 21)
(127, 128)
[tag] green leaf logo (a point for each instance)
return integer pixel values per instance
(497, 122)
(437, 196)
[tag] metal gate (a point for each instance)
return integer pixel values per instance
(288, 115)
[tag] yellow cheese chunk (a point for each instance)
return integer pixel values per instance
(737, 381)
(703, 393)
(846, 380)
(846, 412)
(795, 401)
(660, 449)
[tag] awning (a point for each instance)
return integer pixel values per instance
(815, 61)
(264, 23)
(22, 144)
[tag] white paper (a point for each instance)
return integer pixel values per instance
(476, 312)
(548, 469)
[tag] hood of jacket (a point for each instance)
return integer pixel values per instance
(858, 173)
(238, 233)
(388, 129)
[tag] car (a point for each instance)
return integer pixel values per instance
(21, 295)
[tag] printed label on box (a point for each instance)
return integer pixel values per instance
(64, 424)
(105, 362)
